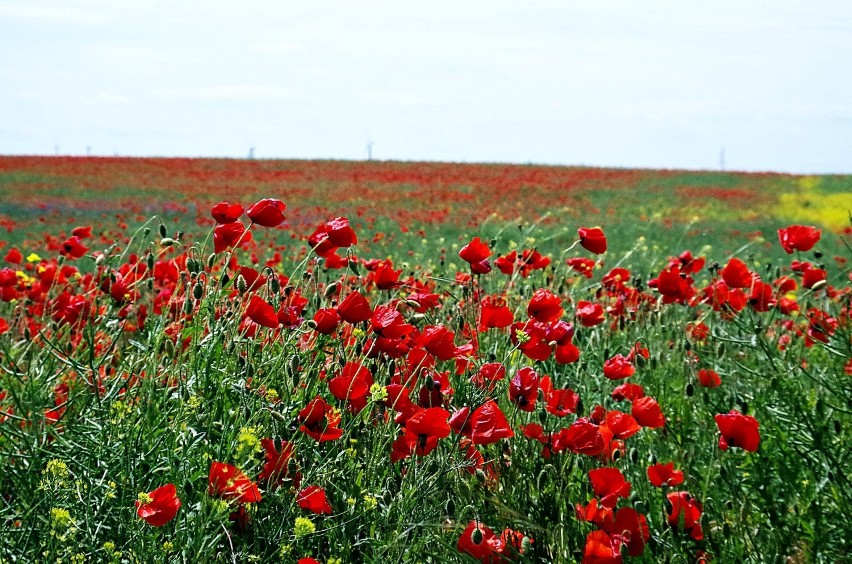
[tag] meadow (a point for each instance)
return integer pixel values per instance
(326, 361)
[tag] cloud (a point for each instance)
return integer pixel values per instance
(58, 14)
(230, 93)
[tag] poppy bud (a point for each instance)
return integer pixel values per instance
(223, 281)
(101, 258)
(690, 390)
(163, 231)
(687, 346)
(179, 235)
(198, 290)
(640, 361)
(525, 544)
(146, 231)
(481, 478)
(331, 289)
(242, 286)
(192, 265)
(837, 426)
(353, 266)
(744, 406)
(634, 455)
(476, 535)
(542, 416)
(187, 306)
(723, 473)
(167, 242)
(726, 530)
(654, 361)
(274, 283)
(817, 255)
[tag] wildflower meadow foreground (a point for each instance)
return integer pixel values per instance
(222, 382)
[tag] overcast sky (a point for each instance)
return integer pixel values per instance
(628, 83)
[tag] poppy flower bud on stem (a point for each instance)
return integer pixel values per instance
(331, 289)
(198, 290)
(242, 286)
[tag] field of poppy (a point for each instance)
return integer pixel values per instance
(305, 361)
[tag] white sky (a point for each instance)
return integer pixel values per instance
(632, 83)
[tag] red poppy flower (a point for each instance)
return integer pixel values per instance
(590, 314)
(647, 412)
(229, 482)
(225, 212)
(313, 499)
(438, 341)
(618, 368)
(352, 384)
(544, 306)
(425, 427)
(738, 430)
(261, 312)
(609, 485)
(277, 456)
(628, 392)
(14, 256)
(682, 507)
(622, 425)
(561, 401)
(485, 425)
(227, 235)
(583, 265)
(494, 313)
(355, 308)
(709, 378)
(480, 542)
(736, 274)
(523, 389)
(592, 239)
(601, 548)
(582, 437)
(73, 248)
(798, 238)
(476, 254)
(326, 320)
(320, 421)
(664, 475)
(340, 234)
(268, 212)
(159, 506)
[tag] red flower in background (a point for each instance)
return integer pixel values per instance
(313, 499)
(590, 314)
(736, 274)
(545, 306)
(261, 312)
(523, 389)
(73, 248)
(680, 506)
(485, 425)
(159, 506)
(592, 239)
(609, 485)
(320, 421)
(709, 378)
(225, 212)
(268, 212)
(14, 256)
(664, 475)
(601, 548)
(798, 238)
(647, 412)
(355, 308)
(476, 254)
(618, 368)
(480, 542)
(227, 235)
(738, 430)
(424, 428)
(229, 482)
(340, 234)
